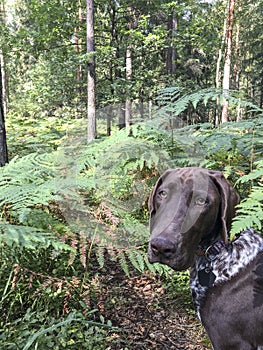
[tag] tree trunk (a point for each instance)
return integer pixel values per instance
(91, 72)
(171, 53)
(109, 117)
(121, 116)
(236, 64)
(261, 94)
(219, 59)
(237, 71)
(128, 103)
(227, 65)
(3, 144)
(78, 47)
(4, 89)
(150, 109)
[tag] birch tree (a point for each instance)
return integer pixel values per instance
(227, 64)
(128, 103)
(91, 110)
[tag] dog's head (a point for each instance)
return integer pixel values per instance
(187, 206)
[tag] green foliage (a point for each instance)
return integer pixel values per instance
(26, 182)
(29, 237)
(72, 331)
(108, 181)
(27, 189)
(177, 100)
(178, 283)
(250, 210)
(79, 204)
(44, 51)
(62, 200)
(27, 135)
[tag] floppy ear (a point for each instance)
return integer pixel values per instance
(229, 200)
(158, 184)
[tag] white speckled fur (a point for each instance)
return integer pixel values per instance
(227, 264)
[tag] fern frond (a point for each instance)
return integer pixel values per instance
(100, 255)
(29, 237)
(249, 211)
(26, 182)
(175, 101)
(123, 263)
(136, 257)
(255, 174)
(156, 269)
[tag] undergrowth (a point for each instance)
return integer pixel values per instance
(67, 203)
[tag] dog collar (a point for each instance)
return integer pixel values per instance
(206, 277)
(211, 252)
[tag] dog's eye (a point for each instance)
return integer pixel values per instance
(200, 201)
(163, 194)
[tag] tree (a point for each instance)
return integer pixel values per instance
(3, 99)
(91, 110)
(171, 52)
(250, 51)
(78, 43)
(217, 79)
(227, 65)
(168, 43)
(128, 102)
(3, 144)
(2, 61)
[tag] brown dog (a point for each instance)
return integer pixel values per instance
(191, 212)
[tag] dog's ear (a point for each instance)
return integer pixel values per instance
(229, 200)
(157, 185)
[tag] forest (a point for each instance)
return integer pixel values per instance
(97, 99)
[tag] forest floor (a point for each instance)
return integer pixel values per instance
(147, 313)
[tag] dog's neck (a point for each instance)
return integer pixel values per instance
(229, 261)
(212, 236)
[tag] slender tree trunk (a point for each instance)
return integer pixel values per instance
(128, 103)
(218, 64)
(236, 63)
(3, 144)
(113, 70)
(237, 71)
(4, 88)
(4, 83)
(171, 53)
(150, 107)
(227, 65)
(121, 115)
(78, 46)
(91, 72)
(109, 117)
(261, 94)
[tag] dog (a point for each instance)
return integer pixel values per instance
(191, 210)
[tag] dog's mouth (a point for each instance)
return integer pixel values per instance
(176, 266)
(176, 261)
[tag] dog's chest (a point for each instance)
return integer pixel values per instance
(227, 264)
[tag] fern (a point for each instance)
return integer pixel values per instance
(102, 188)
(100, 251)
(26, 182)
(123, 262)
(175, 101)
(256, 174)
(29, 237)
(27, 189)
(250, 210)
(137, 259)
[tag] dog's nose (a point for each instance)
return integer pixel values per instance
(162, 247)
